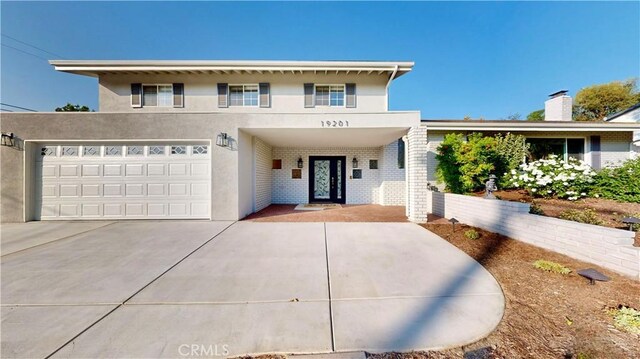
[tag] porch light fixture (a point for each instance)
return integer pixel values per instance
(8, 139)
(300, 162)
(354, 162)
(222, 140)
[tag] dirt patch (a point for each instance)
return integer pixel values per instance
(608, 211)
(547, 315)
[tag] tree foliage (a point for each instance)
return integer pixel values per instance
(72, 108)
(595, 102)
(464, 165)
(536, 115)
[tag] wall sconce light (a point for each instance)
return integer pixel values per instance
(300, 162)
(8, 139)
(354, 162)
(222, 140)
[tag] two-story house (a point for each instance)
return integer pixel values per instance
(216, 140)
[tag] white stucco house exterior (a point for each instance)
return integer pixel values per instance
(220, 140)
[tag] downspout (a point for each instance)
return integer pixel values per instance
(386, 89)
(405, 139)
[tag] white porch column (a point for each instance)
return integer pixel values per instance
(417, 174)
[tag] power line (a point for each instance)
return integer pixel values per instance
(5, 110)
(14, 106)
(33, 46)
(24, 52)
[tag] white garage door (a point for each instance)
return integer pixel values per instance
(110, 181)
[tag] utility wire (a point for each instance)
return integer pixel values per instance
(25, 52)
(5, 110)
(22, 108)
(33, 46)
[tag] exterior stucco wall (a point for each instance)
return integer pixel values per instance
(294, 191)
(263, 178)
(200, 92)
(615, 147)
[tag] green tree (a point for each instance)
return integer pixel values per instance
(536, 115)
(595, 102)
(72, 108)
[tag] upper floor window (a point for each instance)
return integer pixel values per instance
(330, 95)
(243, 95)
(157, 95)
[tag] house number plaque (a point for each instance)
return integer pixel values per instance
(335, 123)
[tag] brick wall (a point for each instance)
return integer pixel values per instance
(294, 191)
(392, 181)
(263, 177)
(417, 166)
(606, 247)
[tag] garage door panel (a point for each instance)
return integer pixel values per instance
(113, 170)
(113, 181)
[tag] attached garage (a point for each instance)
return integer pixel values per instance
(159, 180)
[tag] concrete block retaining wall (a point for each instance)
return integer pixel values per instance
(607, 247)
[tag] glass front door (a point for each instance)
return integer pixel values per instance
(326, 179)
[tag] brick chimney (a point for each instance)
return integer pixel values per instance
(558, 107)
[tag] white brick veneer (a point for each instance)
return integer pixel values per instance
(392, 181)
(608, 247)
(417, 166)
(293, 191)
(263, 177)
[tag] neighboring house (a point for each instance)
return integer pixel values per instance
(211, 139)
(223, 139)
(599, 144)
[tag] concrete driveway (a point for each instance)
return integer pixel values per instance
(196, 288)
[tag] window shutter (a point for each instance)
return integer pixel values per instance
(309, 101)
(265, 94)
(595, 153)
(178, 95)
(223, 95)
(136, 95)
(350, 90)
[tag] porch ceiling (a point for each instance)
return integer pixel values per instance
(328, 137)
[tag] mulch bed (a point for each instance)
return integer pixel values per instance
(547, 315)
(609, 211)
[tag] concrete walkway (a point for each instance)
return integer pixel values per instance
(165, 289)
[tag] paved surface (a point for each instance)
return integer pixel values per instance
(165, 289)
(345, 213)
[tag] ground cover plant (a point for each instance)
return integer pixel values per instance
(627, 319)
(550, 266)
(472, 234)
(586, 215)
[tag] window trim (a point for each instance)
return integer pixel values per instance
(344, 95)
(142, 104)
(229, 86)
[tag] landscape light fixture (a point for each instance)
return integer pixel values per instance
(8, 139)
(222, 140)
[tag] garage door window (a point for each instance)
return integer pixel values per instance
(135, 150)
(200, 150)
(89, 151)
(156, 150)
(69, 151)
(113, 150)
(48, 151)
(178, 150)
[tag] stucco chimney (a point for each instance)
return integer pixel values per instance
(558, 107)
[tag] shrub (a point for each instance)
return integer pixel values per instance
(619, 183)
(472, 234)
(549, 266)
(586, 215)
(554, 177)
(627, 319)
(464, 165)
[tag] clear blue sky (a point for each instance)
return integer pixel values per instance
(478, 59)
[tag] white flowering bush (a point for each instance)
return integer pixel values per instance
(553, 177)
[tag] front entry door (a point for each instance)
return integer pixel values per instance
(327, 179)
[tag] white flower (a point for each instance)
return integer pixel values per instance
(533, 190)
(583, 194)
(513, 172)
(597, 195)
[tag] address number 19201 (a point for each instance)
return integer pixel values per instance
(334, 123)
